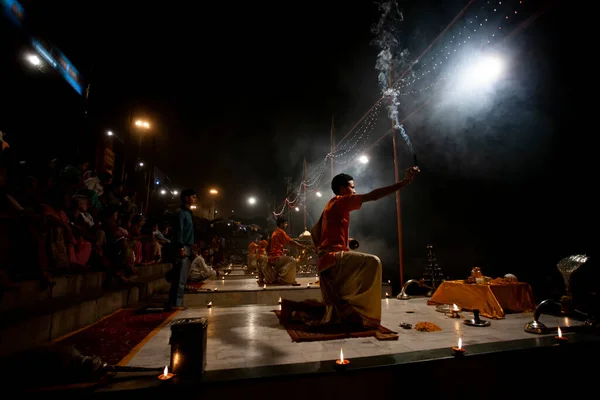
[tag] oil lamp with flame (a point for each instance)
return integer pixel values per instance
(166, 375)
(209, 305)
(341, 363)
(454, 311)
(279, 301)
(458, 350)
(560, 339)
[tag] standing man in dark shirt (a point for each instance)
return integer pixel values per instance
(183, 239)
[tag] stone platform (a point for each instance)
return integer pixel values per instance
(238, 292)
(251, 336)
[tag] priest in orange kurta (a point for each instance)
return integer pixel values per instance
(350, 281)
(281, 269)
(252, 248)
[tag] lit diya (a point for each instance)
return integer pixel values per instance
(458, 350)
(560, 339)
(166, 375)
(341, 363)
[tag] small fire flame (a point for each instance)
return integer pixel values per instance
(559, 332)
(265, 286)
(216, 289)
(459, 343)
(387, 294)
(279, 301)
(166, 371)
(455, 307)
(341, 355)
(209, 304)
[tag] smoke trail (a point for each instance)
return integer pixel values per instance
(390, 58)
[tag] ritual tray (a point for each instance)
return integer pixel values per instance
(472, 322)
(446, 308)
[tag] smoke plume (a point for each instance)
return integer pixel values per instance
(390, 59)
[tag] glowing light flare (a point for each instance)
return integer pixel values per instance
(483, 72)
(363, 159)
(34, 60)
(252, 200)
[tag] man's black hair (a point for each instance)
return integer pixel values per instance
(339, 181)
(187, 193)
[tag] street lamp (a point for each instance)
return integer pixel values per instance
(363, 159)
(143, 124)
(109, 133)
(34, 60)
(318, 194)
(252, 201)
(175, 192)
(141, 164)
(297, 209)
(163, 191)
(214, 193)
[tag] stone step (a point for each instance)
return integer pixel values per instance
(21, 329)
(226, 297)
(152, 269)
(25, 323)
(30, 292)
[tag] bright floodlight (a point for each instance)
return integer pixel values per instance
(109, 133)
(484, 71)
(251, 200)
(175, 192)
(163, 192)
(141, 164)
(213, 191)
(34, 60)
(297, 209)
(363, 159)
(319, 194)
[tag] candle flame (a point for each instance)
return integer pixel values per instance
(341, 355)
(386, 294)
(559, 332)
(166, 371)
(455, 306)
(459, 343)
(279, 301)
(265, 286)
(209, 303)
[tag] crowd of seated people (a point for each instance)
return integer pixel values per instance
(63, 220)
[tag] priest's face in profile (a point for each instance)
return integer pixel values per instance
(349, 190)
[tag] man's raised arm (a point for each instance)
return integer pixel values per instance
(386, 191)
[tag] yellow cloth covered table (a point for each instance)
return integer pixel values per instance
(490, 299)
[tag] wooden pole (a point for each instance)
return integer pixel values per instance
(398, 208)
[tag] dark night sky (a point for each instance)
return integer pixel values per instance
(237, 88)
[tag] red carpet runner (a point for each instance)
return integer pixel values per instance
(114, 337)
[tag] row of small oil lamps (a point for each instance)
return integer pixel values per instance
(342, 362)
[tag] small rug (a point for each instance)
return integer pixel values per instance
(195, 287)
(118, 335)
(300, 332)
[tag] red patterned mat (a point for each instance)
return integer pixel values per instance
(114, 337)
(300, 332)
